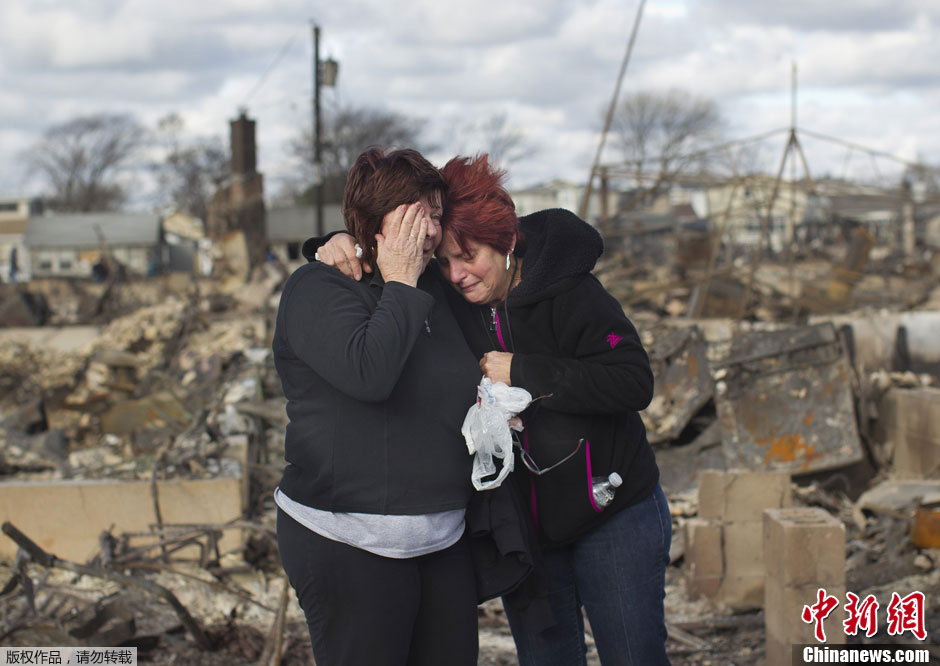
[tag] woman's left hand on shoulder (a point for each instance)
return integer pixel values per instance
(497, 365)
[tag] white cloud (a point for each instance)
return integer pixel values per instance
(867, 68)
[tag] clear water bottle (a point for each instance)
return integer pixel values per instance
(604, 488)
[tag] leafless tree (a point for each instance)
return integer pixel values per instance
(189, 171)
(81, 160)
(346, 132)
(504, 142)
(660, 136)
(924, 178)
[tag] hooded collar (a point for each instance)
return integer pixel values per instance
(559, 246)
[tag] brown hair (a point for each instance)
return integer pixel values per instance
(379, 182)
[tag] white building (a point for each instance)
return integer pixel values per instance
(69, 245)
(562, 194)
(14, 219)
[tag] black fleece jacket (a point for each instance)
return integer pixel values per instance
(574, 350)
(378, 379)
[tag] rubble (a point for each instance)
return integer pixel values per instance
(821, 372)
(784, 401)
(684, 383)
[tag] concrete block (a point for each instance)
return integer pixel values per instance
(783, 615)
(723, 563)
(744, 549)
(740, 593)
(804, 546)
(778, 653)
(704, 561)
(711, 494)
(741, 495)
(703, 586)
(66, 517)
(910, 422)
(804, 550)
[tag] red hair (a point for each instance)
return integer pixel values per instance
(477, 207)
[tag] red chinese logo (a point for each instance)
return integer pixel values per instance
(862, 616)
(825, 604)
(907, 614)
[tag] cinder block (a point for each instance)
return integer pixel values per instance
(723, 563)
(703, 586)
(744, 549)
(778, 653)
(740, 495)
(804, 546)
(783, 614)
(66, 517)
(911, 424)
(804, 550)
(711, 494)
(704, 560)
(740, 593)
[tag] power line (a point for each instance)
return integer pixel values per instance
(618, 169)
(871, 151)
(264, 77)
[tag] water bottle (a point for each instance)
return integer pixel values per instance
(604, 488)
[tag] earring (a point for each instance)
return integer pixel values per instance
(507, 260)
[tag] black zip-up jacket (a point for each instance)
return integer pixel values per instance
(378, 379)
(578, 354)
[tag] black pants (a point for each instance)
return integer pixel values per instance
(362, 608)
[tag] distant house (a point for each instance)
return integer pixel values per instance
(289, 227)
(676, 235)
(70, 245)
(562, 194)
(183, 235)
(932, 232)
(14, 218)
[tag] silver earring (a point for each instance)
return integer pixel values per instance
(507, 260)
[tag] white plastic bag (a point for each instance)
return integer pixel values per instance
(486, 430)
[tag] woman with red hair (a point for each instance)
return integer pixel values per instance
(539, 319)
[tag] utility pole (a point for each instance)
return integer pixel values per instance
(608, 119)
(317, 160)
(324, 74)
(793, 145)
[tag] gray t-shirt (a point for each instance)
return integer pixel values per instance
(396, 536)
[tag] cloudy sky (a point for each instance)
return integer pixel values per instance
(868, 71)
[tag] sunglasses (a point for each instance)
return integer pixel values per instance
(531, 465)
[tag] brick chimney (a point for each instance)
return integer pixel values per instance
(239, 206)
(244, 161)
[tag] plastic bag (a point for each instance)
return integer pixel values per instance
(486, 430)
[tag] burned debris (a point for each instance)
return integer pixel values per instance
(142, 422)
(803, 394)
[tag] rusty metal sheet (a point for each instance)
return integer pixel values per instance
(154, 411)
(784, 401)
(682, 381)
(717, 296)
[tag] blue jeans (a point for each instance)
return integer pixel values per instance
(618, 573)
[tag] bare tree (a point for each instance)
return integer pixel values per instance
(503, 142)
(81, 160)
(923, 178)
(189, 172)
(660, 136)
(346, 132)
